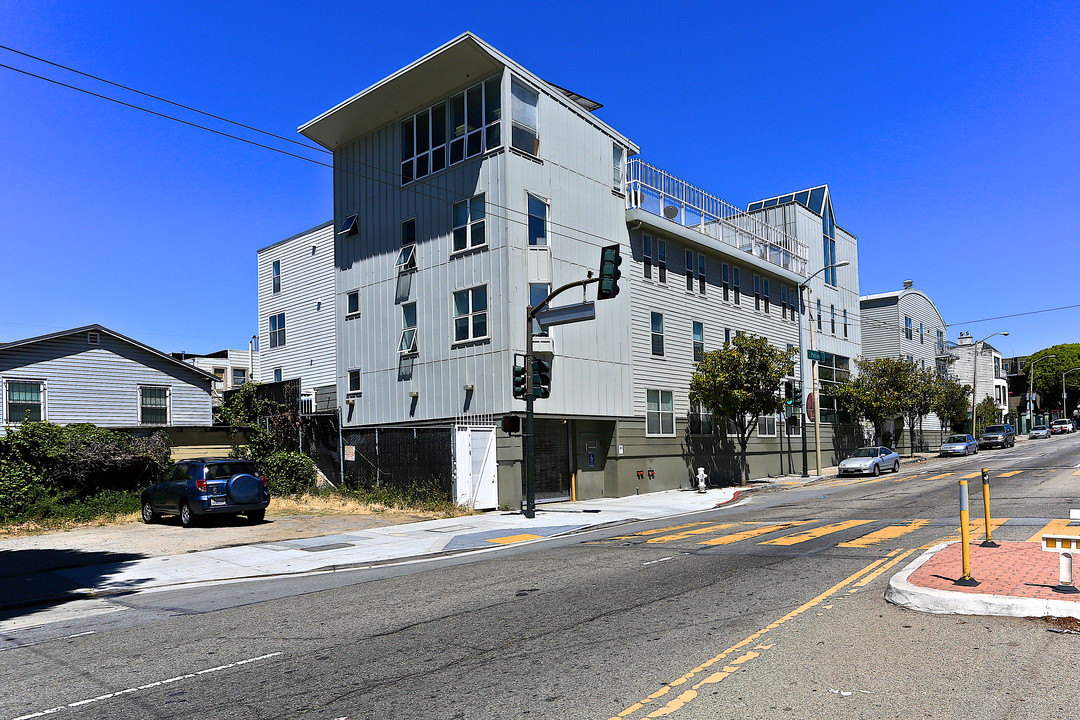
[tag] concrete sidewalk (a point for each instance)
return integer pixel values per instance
(361, 548)
(1015, 579)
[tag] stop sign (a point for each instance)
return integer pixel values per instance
(810, 407)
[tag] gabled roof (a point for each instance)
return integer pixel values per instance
(106, 331)
(893, 298)
(463, 61)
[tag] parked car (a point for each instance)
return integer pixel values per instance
(960, 445)
(1062, 426)
(207, 486)
(1039, 431)
(1000, 435)
(870, 461)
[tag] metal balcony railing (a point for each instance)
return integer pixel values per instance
(667, 196)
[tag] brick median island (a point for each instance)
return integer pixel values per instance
(1016, 569)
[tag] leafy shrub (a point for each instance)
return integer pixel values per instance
(289, 473)
(18, 488)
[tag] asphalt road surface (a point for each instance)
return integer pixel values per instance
(771, 608)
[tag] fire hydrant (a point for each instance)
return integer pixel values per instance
(702, 478)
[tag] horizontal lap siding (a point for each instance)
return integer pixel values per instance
(100, 384)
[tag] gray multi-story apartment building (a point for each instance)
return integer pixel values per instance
(466, 188)
(906, 324)
(297, 310)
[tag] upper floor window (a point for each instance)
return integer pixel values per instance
(765, 293)
(524, 115)
(647, 256)
(354, 382)
(538, 292)
(451, 131)
(406, 259)
(845, 322)
(757, 292)
(783, 302)
(689, 271)
(921, 340)
(239, 376)
(617, 155)
(832, 319)
(277, 375)
(350, 226)
(819, 315)
(941, 342)
(736, 284)
(907, 327)
(408, 232)
(352, 303)
(699, 341)
(660, 413)
(276, 275)
(657, 325)
(407, 341)
(724, 278)
(219, 373)
(661, 261)
(277, 330)
(153, 406)
(701, 273)
(538, 221)
(469, 223)
(25, 401)
(470, 314)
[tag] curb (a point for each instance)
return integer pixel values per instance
(905, 594)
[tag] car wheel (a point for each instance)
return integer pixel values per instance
(256, 516)
(187, 518)
(976, 450)
(896, 466)
(877, 469)
(148, 514)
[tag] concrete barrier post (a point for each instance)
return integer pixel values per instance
(989, 541)
(966, 579)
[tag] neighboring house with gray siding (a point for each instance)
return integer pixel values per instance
(94, 375)
(433, 277)
(231, 368)
(906, 324)
(297, 307)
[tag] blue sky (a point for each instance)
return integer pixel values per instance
(948, 133)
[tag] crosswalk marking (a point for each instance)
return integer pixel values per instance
(1054, 527)
(886, 533)
(815, 533)
(696, 531)
(976, 531)
(747, 534)
(971, 476)
(657, 531)
(1011, 473)
(938, 477)
(1077, 472)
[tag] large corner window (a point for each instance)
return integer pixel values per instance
(25, 401)
(277, 330)
(660, 413)
(524, 115)
(153, 406)
(538, 221)
(407, 341)
(470, 314)
(276, 275)
(468, 227)
(448, 132)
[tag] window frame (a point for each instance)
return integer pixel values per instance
(472, 225)
(42, 402)
(518, 123)
(765, 293)
(657, 336)
(646, 255)
(689, 271)
(350, 375)
(531, 217)
(275, 277)
(736, 283)
(725, 271)
(143, 407)
(697, 335)
(472, 315)
(276, 328)
(757, 291)
(243, 376)
(702, 266)
(660, 412)
(908, 328)
(407, 339)
(349, 296)
(765, 418)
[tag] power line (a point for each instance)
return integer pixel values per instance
(1030, 312)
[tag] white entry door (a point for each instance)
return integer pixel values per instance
(476, 482)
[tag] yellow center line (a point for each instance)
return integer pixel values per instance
(886, 533)
(877, 573)
(1011, 473)
(695, 531)
(1054, 527)
(815, 532)
(938, 477)
(689, 695)
(765, 530)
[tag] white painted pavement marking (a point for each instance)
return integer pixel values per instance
(653, 562)
(69, 611)
(39, 642)
(128, 691)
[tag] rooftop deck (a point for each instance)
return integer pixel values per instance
(665, 195)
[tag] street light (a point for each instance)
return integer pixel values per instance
(1064, 410)
(802, 376)
(1031, 384)
(975, 377)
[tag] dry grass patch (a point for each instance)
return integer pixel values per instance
(333, 504)
(40, 527)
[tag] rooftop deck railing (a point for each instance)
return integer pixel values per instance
(667, 196)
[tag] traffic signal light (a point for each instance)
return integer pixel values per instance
(610, 260)
(511, 424)
(521, 380)
(789, 392)
(541, 378)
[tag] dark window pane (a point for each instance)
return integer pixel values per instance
(480, 325)
(408, 149)
(461, 328)
(438, 125)
(422, 139)
(457, 151)
(493, 137)
(438, 158)
(421, 166)
(523, 139)
(408, 232)
(457, 115)
(407, 172)
(475, 103)
(478, 234)
(474, 144)
(460, 238)
(492, 100)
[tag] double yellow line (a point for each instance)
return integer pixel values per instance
(690, 693)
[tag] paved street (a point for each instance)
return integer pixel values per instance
(769, 608)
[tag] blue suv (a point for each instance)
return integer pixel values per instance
(207, 486)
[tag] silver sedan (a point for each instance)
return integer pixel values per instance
(870, 461)
(960, 445)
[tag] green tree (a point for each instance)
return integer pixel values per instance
(875, 394)
(950, 402)
(917, 396)
(1047, 375)
(739, 383)
(986, 413)
(248, 408)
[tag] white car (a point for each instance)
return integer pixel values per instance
(870, 461)
(1039, 431)
(1062, 426)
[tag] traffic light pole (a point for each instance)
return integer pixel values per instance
(529, 437)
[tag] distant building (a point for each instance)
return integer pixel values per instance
(983, 371)
(231, 368)
(297, 308)
(94, 375)
(906, 324)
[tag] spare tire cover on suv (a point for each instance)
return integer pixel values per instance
(243, 488)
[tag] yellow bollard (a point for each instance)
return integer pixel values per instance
(989, 541)
(966, 579)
